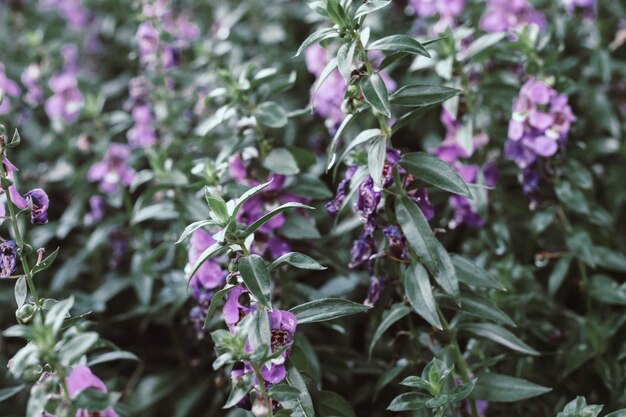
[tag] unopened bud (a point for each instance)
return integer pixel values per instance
(25, 313)
(260, 407)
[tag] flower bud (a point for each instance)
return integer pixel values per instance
(25, 313)
(260, 407)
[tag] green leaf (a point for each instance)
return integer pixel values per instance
(271, 115)
(375, 93)
(399, 43)
(248, 195)
(284, 393)
(363, 137)
(20, 291)
(429, 250)
(281, 161)
(376, 160)
(499, 335)
(419, 95)
(326, 309)
(76, 347)
(434, 171)
(416, 382)
(476, 305)
(618, 413)
(7, 393)
(471, 274)
(219, 211)
(610, 259)
(315, 37)
(118, 355)
(204, 256)
(256, 277)
(304, 405)
(46, 263)
(336, 13)
(162, 211)
(345, 55)
(335, 405)
(193, 227)
(371, 6)
(57, 313)
(572, 197)
(395, 313)
(94, 400)
(460, 392)
(606, 290)
(580, 244)
(213, 304)
(240, 388)
(558, 275)
(419, 292)
(409, 402)
(328, 69)
(480, 44)
(333, 145)
(298, 260)
(504, 388)
(272, 213)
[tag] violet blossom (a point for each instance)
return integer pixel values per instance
(282, 330)
(538, 130)
(8, 89)
(8, 258)
(448, 11)
(67, 101)
(505, 15)
(210, 275)
(237, 306)
(113, 170)
(31, 80)
(71, 10)
(36, 198)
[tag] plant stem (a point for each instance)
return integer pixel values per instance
(459, 359)
(263, 391)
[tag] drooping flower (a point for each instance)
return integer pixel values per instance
(504, 15)
(396, 241)
(82, 378)
(37, 198)
(334, 205)
(113, 170)
(363, 249)
(8, 258)
(377, 284)
(9, 89)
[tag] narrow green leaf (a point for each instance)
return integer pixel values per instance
(193, 227)
(371, 6)
(240, 388)
(76, 347)
(57, 313)
(113, 356)
(399, 43)
(434, 171)
(268, 216)
(471, 274)
(297, 260)
(479, 306)
(419, 95)
(7, 393)
(375, 93)
(409, 402)
(376, 160)
(419, 292)
(333, 145)
(281, 161)
(363, 137)
(20, 291)
(345, 55)
(271, 115)
(256, 277)
(335, 405)
(304, 405)
(396, 313)
(248, 195)
(46, 263)
(504, 388)
(204, 256)
(315, 37)
(498, 335)
(213, 304)
(326, 309)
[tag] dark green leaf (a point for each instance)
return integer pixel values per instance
(370, 6)
(281, 161)
(434, 171)
(419, 292)
(335, 405)
(271, 115)
(326, 309)
(256, 277)
(471, 274)
(316, 37)
(269, 215)
(193, 227)
(399, 43)
(215, 300)
(46, 263)
(408, 402)
(376, 160)
(499, 335)
(376, 94)
(345, 55)
(298, 260)
(504, 388)
(113, 356)
(419, 95)
(395, 313)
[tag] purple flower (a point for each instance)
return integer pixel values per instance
(363, 249)
(377, 284)
(397, 243)
(9, 89)
(67, 100)
(147, 38)
(420, 197)
(40, 202)
(282, 329)
(368, 198)
(80, 379)
(448, 11)
(504, 15)
(587, 6)
(30, 79)
(210, 275)
(8, 258)
(142, 134)
(333, 206)
(236, 306)
(96, 210)
(391, 160)
(71, 10)
(113, 170)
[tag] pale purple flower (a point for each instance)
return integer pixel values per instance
(142, 134)
(420, 197)
(72, 11)
(282, 329)
(587, 6)
(448, 11)
(147, 38)
(96, 210)
(377, 285)
(8, 258)
(67, 101)
(37, 198)
(236, 306)
(31, 80)
(113, 171)
(334, 205)
(504, 15)
(80, 379)
(9, 89)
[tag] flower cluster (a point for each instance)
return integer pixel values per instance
(8, 89)
(451, 152)
(67, 101)
(538, 129)
(142, 134)
(448, 11)
(505, 15)
(113, 171)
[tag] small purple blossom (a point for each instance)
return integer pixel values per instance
(96, 210)
(282, 329)
(363, 249)
(8, 258)
(147, 38)
(31, 80)
(210, 275)
(80, 379)
(72, 11)
(67, 101)
(448, 11)
(397, 242)
(142, 134)
(504, 15)
(9, 89)
(40, 202)
(334, 205)
(368, 198)
(236, 306)
(113, 170)
(377, 284)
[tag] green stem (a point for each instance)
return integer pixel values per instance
(20, 243)
(63, 383)
(262, 390)
(459, 359)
